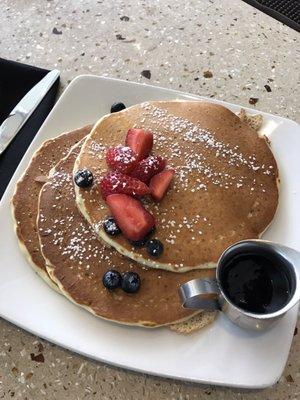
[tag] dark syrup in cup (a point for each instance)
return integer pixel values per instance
(256, 283)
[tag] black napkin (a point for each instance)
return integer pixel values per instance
(285, 11)
(16, 80)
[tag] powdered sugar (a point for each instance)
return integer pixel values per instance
(191, 160)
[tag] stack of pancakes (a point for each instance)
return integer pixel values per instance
(224, 190)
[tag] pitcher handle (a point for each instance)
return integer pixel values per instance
(200, 294)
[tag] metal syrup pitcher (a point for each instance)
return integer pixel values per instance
(211, 293)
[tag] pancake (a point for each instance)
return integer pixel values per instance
(25, 198)
(224, 189)
(195, 323)
(76, 261)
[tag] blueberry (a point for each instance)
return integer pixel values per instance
(111, 228)
(112, 279)
(83, 178)
(131, 282)
(116, 107)
(154, 247)
(141, 243)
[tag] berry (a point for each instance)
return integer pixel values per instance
(131, 282)
(154, 247)
(110, 227)
(148, 167)
(116, 107)
(159, 183)
(142, 242)
(116, 183)
(112, 279)
(83, 178)
(140, 141)
(133, 219)
(121, 158)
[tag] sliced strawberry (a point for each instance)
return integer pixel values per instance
(115, 182)
(140, 142)
(159, 183)
(148, 167)
(130, 215)
(121, 158)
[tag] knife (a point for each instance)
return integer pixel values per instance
(20, 114)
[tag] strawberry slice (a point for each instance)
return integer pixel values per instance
(130, 215)
(121, 159)
(159, 184)
(140, 142)
(115, 182)
(148, 167)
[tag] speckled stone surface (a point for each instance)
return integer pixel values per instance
(217, 48)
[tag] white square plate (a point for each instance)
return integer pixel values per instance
(221, 353)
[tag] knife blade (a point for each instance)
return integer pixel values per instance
(23, 110)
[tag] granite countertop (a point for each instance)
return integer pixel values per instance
(222, 49)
